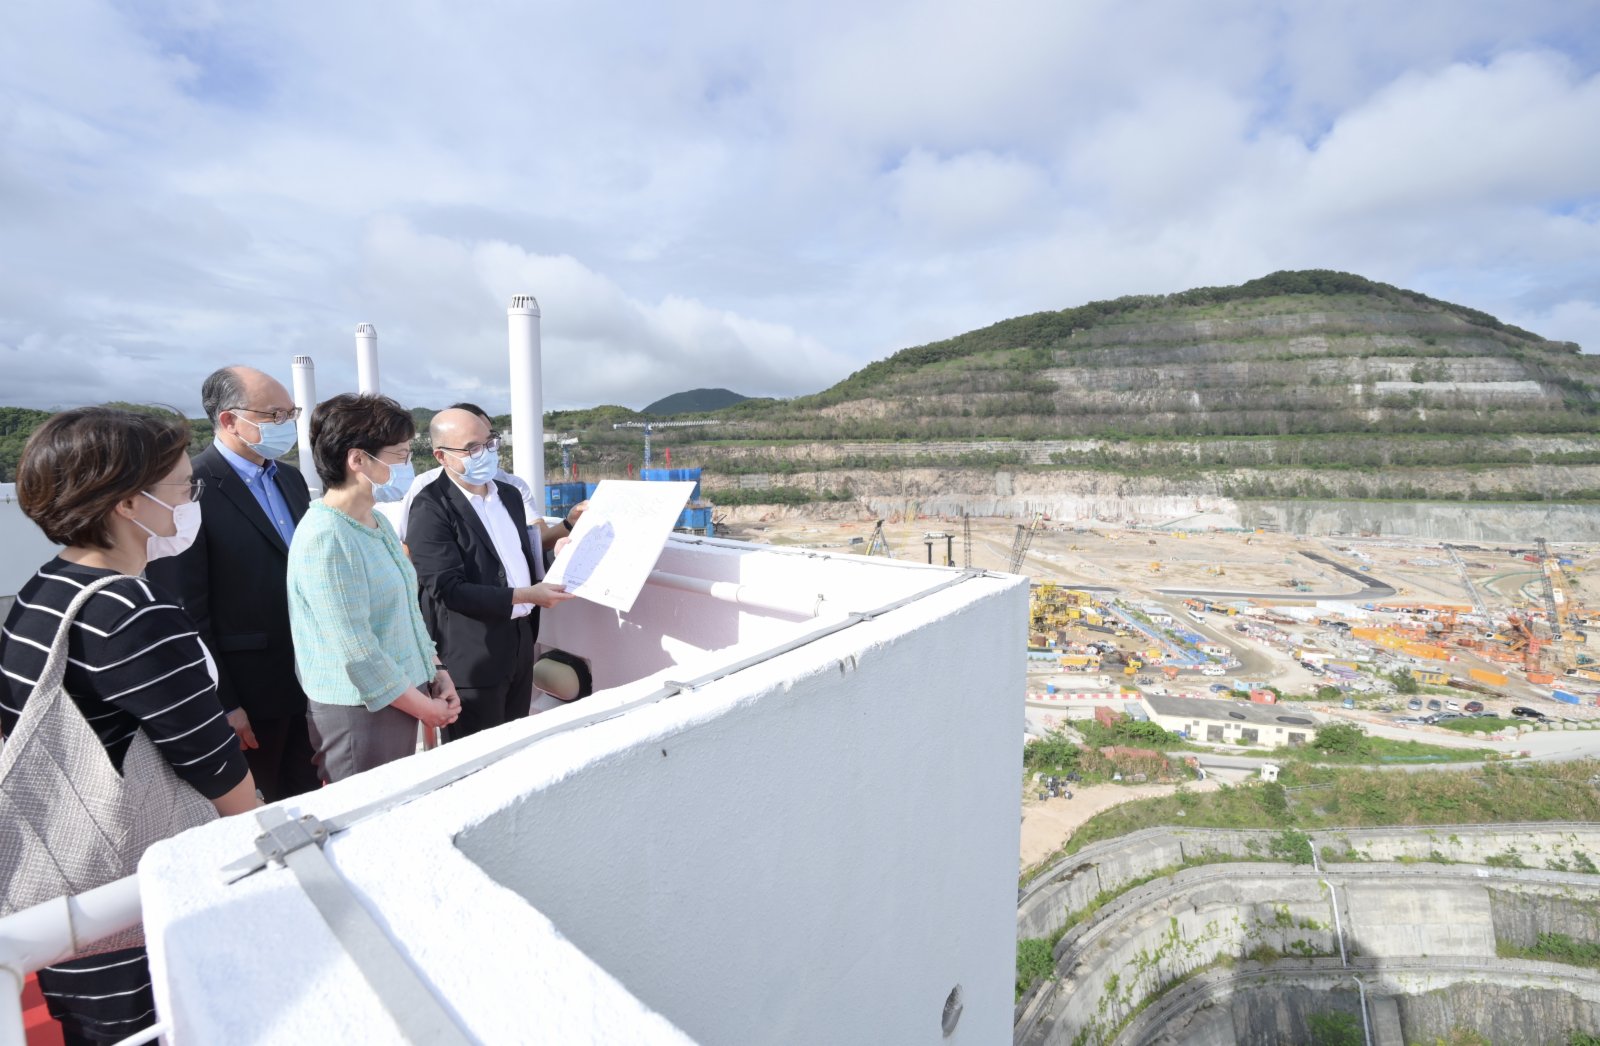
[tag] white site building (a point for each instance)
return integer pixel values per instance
(1232, 722)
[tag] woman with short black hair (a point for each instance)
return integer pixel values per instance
(363, 654)
(114, 487)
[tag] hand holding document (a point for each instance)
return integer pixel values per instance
(617, 541)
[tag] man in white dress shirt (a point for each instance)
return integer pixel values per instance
(468, 538)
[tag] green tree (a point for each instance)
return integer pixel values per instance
(1404, 682)
(1340, 739)
(1291, 845)
(1033, 962)
(1053, 753)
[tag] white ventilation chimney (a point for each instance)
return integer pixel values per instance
(305, 397)
(527, 393)
(366, 359)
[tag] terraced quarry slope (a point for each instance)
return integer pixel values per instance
(1311, 385)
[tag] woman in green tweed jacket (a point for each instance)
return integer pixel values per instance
(362, 652)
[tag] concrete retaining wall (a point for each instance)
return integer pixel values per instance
(1265, 1005)
(1077, 880)
(1414, 915)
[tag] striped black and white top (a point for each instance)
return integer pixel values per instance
(135, 662)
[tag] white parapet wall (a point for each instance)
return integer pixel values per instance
(23, 546)
(813, 842)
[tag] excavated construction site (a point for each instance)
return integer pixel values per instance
(1403, 938)
(1406, 936)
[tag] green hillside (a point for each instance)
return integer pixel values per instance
(693, 401)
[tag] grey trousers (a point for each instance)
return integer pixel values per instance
(349, 739)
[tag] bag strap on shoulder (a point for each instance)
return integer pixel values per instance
(55, 666)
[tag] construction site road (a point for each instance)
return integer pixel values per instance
(1372, 589)
(1552, 747)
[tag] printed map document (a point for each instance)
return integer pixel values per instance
(618, 540)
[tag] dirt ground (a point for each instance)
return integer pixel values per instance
(1141, 560)
(1047, 824)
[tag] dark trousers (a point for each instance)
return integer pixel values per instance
(283, 765)
(484, 707)
(349, 739)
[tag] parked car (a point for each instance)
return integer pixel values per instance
(1524, 712)
(1415, 704)
(1435, 705)
(1474, 706)
(1452, 705)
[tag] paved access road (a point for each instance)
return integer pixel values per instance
(1371, 589)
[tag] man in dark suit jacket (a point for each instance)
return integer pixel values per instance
(468, 539)
(232, 580)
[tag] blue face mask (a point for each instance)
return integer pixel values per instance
(275, 439)
(480, 469)
(395, 487)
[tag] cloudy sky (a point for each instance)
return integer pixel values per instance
(759, 196)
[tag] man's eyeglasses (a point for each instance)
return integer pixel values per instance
(477, 450)
(194, 483)
(278, 416)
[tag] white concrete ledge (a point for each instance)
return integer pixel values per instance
(724, 865)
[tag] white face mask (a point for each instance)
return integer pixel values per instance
(273, 439)
(185, 517)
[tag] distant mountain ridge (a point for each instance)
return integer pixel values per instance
(694, 401)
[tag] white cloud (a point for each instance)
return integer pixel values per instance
(759, 196)
(446, 301)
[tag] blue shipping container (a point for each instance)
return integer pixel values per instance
(1566, 698)
(559, 497)
(696, 519)
(675, 476)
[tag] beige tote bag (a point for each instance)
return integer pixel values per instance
(68, 821)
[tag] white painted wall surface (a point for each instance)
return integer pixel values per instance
(827, 847)
(23, 546)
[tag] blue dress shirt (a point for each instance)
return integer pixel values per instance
(261, 481)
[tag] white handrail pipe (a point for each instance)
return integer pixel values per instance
(60, 928)
(741, 595)
(55, 931)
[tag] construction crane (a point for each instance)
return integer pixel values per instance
(966, 539)
(879, 545)
(566, 443)
(651, 426)
(1555, 602)
(1472, 590)
(1019, 544)
(1523, 641)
